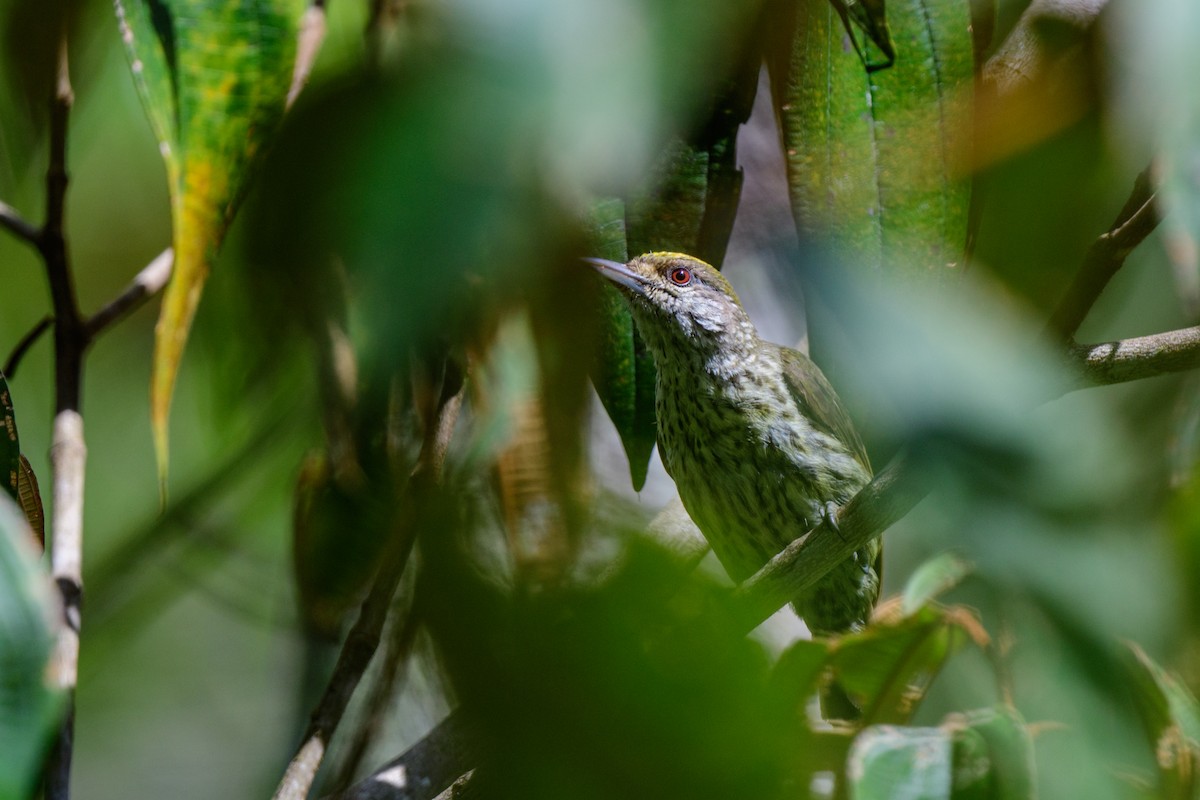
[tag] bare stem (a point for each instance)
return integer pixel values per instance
(68, 454)
(16, 224)
(1134, 359)
(147, 283)
(1105, 257)
(27, 341)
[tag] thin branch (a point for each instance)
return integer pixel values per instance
(363, 639)
(1137, 358)
(147, 283)
(387, 683)
(11, 220)
(68, 453)
(27, 341)
(1105, 257)
(424, 770)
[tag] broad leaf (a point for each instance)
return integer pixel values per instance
(888, 761)
(932, 579)
(623, 371)
(887, 668)
(985, 754)
(993, 754)
(28, 708)
(872, 158)
(798, 672)
(214, 77)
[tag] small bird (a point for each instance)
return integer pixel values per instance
(754, 436)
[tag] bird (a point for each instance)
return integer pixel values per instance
(758, 443)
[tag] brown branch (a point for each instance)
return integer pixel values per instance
(11, 220)
(27, 341)
(147, 283)
(1105, 257)
(363, 639)
(1137, 358)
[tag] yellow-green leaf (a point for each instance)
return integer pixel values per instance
(214, 77)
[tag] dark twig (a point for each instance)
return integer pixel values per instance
(1138, 218)
(11, 220)
(27, 341)
(363, 639)
(426, 769)
(147, 283)
(68, 453)
(387, 682)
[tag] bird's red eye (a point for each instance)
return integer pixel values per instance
(681, 276)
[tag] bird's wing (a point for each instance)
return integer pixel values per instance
(819, 403)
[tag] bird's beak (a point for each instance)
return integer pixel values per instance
(619, 274)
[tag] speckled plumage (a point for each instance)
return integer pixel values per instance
(752, 433)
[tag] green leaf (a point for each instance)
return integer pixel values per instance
(888, 762)
(623, 371)
(10, 443)
(213, 76)
(993, 754)
(798, 672)
(28, 708)
(872, 158)
(887, 668)
(1171, 719)
(932, 579)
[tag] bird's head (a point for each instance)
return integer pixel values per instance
(677, 299)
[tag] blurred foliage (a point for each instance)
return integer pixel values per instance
(411, 237)
(28, 706)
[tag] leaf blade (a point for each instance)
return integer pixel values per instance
(214, 78)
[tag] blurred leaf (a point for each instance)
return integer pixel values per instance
(659, 699)
(982, 754)
(887, 762)
(871, 17)
(932, 579)
(1171, 718)
(28, 708)
(798, 672)
(213, 76)
(993, 754)
(873, 159)
(887, 667)
(10, 443)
